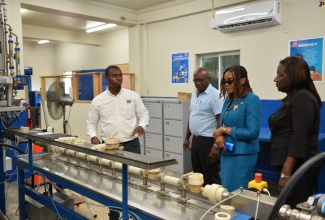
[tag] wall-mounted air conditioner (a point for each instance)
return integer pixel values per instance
(258, 14)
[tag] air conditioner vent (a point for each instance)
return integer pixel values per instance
(253, 15)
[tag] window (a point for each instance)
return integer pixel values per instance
(216, 63)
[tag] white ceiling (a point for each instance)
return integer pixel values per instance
(130, 4)
(62, 22)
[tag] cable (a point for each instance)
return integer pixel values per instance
(12, 147)
(51, 196)
(266, 191)
(240, 191)
(257, 204)
(212, 8)
(135, 216)
(292, 182)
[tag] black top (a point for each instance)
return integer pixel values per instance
(295, 129)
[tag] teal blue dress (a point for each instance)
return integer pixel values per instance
(244, 118)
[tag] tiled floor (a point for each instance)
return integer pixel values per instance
(12, 205)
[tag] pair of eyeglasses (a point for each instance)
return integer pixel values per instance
(198, 80)
(229, 81)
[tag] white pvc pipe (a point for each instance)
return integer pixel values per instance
(80, 155)
(134, 170)
(171, 180)
(104, 161)
(69, 152)
(117, 165)
(92, 158)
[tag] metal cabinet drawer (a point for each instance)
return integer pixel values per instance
(173, 128)
(154, 108)
(173, 144)
(155, 126)
(154, 141)
(154, 153)
(173, 110)
(184, 162)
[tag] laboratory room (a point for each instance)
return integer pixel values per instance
(165, 109)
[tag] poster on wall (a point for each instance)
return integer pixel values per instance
(179, 68)
(310, 50)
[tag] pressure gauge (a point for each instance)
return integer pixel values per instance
(24, 80)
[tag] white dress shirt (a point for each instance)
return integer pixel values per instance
(117, 115)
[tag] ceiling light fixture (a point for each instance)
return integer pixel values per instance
(43, 41)
(98, 28)
(22, 10)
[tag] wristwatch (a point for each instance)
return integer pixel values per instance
(224, 129)
(283, 176)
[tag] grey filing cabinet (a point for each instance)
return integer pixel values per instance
(176, 115)
(153, 137)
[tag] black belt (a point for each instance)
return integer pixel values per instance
(123, 142)
(128, 141)
(199, 136)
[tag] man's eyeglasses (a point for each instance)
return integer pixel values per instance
(199, 80)
(229, 82)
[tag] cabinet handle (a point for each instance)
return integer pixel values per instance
(167, 122)
(148, 151)
(166, 106)
(148, 136)
(167, 155)
(167, 139)
(147, 105)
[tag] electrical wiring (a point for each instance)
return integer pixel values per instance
(266, 191)
(258, 204)
(7, 180)
(51, 196)
(132, 214)
(220, 203)
(2, 216)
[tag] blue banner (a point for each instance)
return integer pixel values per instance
(180, 68)
(310, 50)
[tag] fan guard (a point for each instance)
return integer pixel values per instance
(54, 93)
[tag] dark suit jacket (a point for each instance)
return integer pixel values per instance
(295, 128)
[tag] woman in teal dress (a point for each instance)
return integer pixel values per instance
(240, 125)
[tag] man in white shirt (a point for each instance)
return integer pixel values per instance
(117, 110)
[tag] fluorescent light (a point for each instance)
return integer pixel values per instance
(43, 41)
(98, 28)
(91, 24)
(22, 10)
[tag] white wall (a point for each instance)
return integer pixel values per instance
(260, 49)
(43, 60)
(54, 59)
(113, 49)
(148, 49)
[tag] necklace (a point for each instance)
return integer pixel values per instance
(231, 104)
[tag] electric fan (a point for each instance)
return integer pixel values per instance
(56, 102)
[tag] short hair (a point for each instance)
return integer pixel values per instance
(109, 68)
(312, 67)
